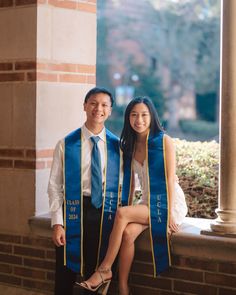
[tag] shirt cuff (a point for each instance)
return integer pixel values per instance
(56, 218)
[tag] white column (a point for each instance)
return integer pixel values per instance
(226, 221)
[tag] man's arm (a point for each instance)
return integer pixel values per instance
(56, 194)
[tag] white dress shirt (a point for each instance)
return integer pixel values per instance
(56, 180)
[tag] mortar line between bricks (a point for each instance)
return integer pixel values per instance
(204, 277)
(34, 268)
(30, 278)
(148, 288)
(193, 282)
(222, 273)
(26, 245)
(168, 278)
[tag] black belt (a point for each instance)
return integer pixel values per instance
(85, 196)
(87, 202)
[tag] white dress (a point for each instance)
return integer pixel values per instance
(141, 192)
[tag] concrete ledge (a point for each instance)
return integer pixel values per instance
(191, 241)
(194, 239)
(41, 225)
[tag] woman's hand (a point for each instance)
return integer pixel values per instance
(172, 227)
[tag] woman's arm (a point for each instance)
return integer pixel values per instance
(171, 178)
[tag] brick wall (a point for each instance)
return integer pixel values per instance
(85, 5)
(188, 275)
(23, 158)
(28, 71)
(28, 262)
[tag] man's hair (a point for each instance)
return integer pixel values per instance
(97, 90)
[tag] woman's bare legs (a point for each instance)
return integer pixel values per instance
(126, 254)
(124, 216)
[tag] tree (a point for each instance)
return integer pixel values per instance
(177, 40)
(102, 68)
(184, 48)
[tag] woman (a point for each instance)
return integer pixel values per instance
(146, 162)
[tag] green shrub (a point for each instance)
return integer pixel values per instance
(197, 169)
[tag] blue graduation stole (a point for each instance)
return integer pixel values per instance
(73, 200)
(157, 200)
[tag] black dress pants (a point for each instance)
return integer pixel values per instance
(64, 277)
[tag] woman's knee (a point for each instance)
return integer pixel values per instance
(129, 235)
(121, 213)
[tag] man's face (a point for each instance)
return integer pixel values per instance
(98, 108)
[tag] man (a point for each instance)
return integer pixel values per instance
(83, 193)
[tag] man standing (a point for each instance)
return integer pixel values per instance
(83, 193)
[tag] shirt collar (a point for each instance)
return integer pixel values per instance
(87, 133)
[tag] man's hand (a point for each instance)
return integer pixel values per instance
(58, 235)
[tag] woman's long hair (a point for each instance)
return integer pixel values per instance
(128, 135)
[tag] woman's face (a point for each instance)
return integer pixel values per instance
(140, 118)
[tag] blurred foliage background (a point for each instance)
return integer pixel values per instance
(172, 47)
(169, 50)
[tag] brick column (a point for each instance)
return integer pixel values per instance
(226, 221)
(47, 64)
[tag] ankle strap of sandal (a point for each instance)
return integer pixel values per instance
(103, 270)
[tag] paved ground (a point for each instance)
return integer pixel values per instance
(6, 290)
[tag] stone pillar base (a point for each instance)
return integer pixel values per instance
(225, 223)
(223, 227)
(226, 215)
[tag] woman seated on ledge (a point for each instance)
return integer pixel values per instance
(149, 197)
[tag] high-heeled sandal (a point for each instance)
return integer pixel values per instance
(102, 287)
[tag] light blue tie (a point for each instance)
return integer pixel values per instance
(96, 174)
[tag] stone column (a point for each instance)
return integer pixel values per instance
(47, 64)
(226, 221)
